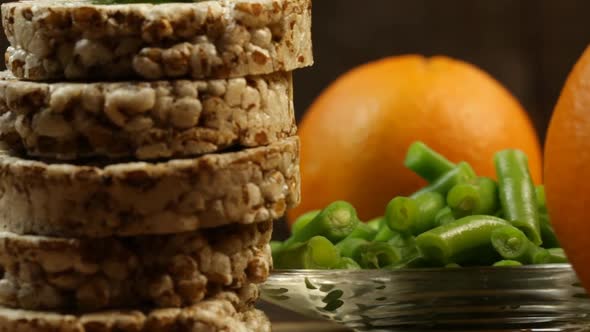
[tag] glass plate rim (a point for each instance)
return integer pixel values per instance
(524, 268)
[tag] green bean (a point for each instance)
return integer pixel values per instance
(488, 196)
(517, 193)
(347, 263)
(463, 199)
(405, 244)
(384, 234)
(479, 196)
(548, 235)
(426, 162)
(444, 216)
(507, 262)
(549, 256)
(539, 255)
(363, 231)
(352, 247)
(556, 255)
(303, 220)
(429, 204)
(400, 240)
(378, 255)
(458, 241)
(512, 244)
(541, 200)
(376, 223)
(414, 216)
(459, 174)
(335, 222)
(317, 253)
(401, 214)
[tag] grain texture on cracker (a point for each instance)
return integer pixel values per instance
(177, 270)
(212, 315)
(66, 200)
(145, 120)
(80, 40)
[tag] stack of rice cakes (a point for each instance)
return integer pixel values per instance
(148, 149)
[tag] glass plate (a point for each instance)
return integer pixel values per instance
(528, 298)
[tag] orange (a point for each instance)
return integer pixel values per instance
(355, 135)
(567, 168)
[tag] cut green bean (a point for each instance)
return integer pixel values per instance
(303, 220)
(444, 216)
(409, 215)
(507, 262)
(376, 223)
(463, 199)
(378, 255)
(459, 174)
(405, 245)
(384, 234)
(479, 196)
(347, 263)
(400, 240)
(512, 244)
(426, 162)
(458, 241)
(556, 256)
(335, 222)
(401, 214)
(363, 231)
(317, 253)
(539, 255)
(549, 256)
(517, 193)
(352, 247)
(488, 196)
(458, 219)
(429, 204)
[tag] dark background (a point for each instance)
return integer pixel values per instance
(529, 45)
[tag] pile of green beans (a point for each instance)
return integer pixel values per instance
(458, 219)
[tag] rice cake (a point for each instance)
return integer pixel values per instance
(139, 198)
(82, 40)
(145, 120)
